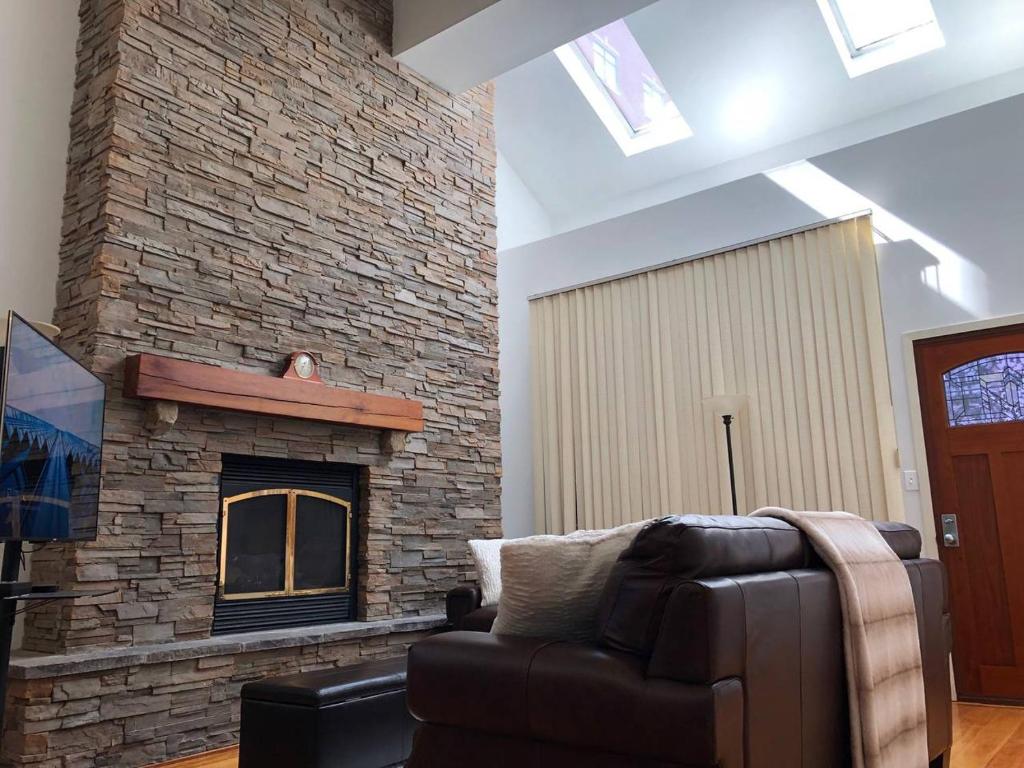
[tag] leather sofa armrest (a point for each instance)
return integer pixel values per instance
(462, 600)
(563, 698)
(472, 680)
(903, 539)
(931, 597)
(701, 639)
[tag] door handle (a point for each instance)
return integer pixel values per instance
(950, 532)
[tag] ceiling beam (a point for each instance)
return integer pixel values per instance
(459, 44)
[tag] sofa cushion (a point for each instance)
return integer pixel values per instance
(552, 585)
(570, 694)
(700, 546)
(487, 558)
(676, 549)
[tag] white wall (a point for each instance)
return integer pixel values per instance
(959, 180)
(37, 73)
(521, 219)
(37, 78)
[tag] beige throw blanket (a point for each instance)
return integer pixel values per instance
(883, 653)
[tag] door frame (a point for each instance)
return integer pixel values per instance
(928, 533)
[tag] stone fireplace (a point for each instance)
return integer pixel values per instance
(245, 180)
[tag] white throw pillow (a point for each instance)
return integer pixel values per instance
(552, 585)
(487, 556)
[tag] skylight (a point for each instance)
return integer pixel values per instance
(871, 34)
(615, 76)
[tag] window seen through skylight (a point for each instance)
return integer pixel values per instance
(615, 76)
(870, 34)
(606, 66)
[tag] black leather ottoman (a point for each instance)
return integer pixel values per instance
(351, 717)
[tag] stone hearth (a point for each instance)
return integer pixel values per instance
(247, 179)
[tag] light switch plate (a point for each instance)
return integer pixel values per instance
(910, 482)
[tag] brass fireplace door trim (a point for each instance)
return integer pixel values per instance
(289, 590)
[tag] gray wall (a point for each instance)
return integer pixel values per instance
(523, 219)
(37, 75)
(958, 180)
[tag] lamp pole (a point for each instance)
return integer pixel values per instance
(727, 420)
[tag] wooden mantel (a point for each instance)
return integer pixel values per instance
(153, 377)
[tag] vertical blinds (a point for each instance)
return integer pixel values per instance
(630, 378)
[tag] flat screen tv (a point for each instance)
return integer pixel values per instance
(51, 438)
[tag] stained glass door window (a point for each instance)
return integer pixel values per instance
(986, 391)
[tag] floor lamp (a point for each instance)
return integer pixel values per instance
(728, 408)
(727, 421)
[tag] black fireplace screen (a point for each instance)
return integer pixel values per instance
(286, 544)
(283, 541)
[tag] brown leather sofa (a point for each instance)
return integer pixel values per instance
(719, 644)
(465, 612)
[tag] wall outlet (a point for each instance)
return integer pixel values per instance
(910, 482)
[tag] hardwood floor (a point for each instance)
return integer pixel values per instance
(220, 758)
(983, 737)
(987, 737)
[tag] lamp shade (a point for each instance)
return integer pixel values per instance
(49, 330)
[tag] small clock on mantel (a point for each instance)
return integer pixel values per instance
(304, 367)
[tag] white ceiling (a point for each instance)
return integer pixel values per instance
(761, 84)
(459, 44)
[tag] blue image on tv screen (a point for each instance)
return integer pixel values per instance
(50, 441)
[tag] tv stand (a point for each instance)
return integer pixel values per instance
(12, 592)
(9, 586)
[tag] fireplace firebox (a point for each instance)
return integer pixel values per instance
(287, 537)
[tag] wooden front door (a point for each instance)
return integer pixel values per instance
(972, 400)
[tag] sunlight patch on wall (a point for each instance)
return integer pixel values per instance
(952, 276)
